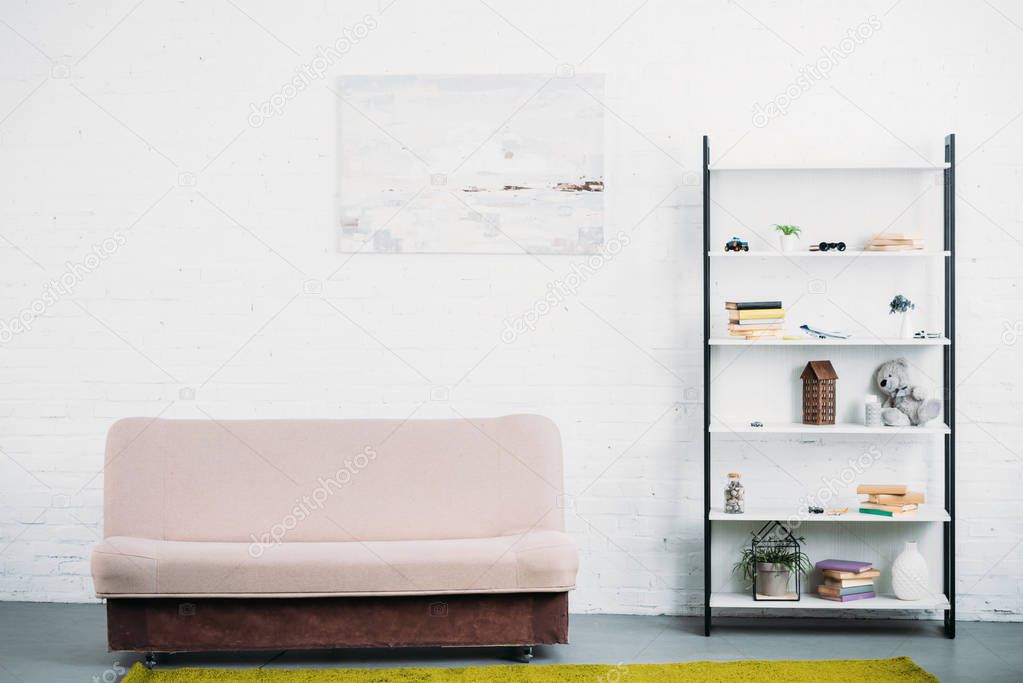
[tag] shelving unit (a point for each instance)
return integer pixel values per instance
(812, 341)
(942, 514)
(838, 255)
(883, 602)
(833, 167)
(930, 429)
(926, 513)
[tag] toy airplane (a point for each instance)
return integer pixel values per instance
(823, 334)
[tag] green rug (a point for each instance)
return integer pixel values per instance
(844, 670)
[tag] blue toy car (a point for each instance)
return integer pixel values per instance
(736, 244)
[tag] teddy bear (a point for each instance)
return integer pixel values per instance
(906, 404)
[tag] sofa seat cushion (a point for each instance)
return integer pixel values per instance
(536, 561)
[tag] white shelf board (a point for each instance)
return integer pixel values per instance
(829, 167)
(828, 254)
(811, 341)
(823, 430)
(809, 601)
(925, 513)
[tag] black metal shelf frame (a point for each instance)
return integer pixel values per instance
(949, 527)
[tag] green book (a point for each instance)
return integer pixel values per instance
(885, 513)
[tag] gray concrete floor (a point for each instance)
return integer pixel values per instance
(58, 642)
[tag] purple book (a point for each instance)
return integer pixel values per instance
(850, 597)
(844, 565)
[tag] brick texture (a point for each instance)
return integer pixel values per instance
(166, 257)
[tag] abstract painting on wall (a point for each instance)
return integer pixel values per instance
(471, 164)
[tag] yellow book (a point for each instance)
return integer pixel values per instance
(752, 328)
(835, 574)
(895, 499)
(847, 583)
(756, 314)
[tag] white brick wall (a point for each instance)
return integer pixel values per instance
(133, 121)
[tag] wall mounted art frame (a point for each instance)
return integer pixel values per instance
(502, 164)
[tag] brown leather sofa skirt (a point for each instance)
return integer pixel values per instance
(205, 624)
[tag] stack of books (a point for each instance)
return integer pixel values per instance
(896, 241)
(889, 500)
(847, 580)
(755, 319)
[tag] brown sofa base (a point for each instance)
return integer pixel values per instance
(205, 624)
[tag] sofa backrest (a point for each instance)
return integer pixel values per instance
(332, 480)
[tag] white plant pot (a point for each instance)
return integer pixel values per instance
(906, 325)
(788, 242)
(909, 574)
(772, 579)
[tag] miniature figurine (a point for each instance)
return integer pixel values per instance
(736, 244)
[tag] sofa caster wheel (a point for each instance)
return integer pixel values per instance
(524, 654)
(149, 661)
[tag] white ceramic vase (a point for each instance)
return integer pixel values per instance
(906, 325)
(788, 242)
(910, 575)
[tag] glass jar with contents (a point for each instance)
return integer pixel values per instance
(735, 494)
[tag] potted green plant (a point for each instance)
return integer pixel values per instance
(788, 236)
(772, 566)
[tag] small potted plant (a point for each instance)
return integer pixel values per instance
(788, 235)
(903, 307)
(772, 566)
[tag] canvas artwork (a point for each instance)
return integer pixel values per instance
(471, 164)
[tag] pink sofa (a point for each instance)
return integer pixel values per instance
(275, 534)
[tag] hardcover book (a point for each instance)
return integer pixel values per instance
(890, 508)
(754, 325)
(845, 565)
(751, 305)
(895, 499)
(882, 488)
(833, 574)
(849, 598)
(851, 590)
(909, 246)
(848, 583)
(756, 333)
(898, 236)
(886, 513)
(889, 242)
(756, 314)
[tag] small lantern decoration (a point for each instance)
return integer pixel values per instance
(819, 380)
(777, 554)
